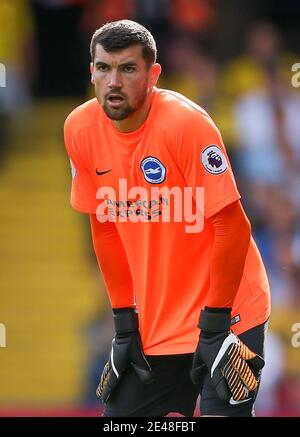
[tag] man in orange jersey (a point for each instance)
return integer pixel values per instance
(136, 151)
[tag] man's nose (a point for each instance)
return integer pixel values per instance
(115, 80)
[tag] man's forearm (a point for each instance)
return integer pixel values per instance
(113, 263)
(231, 242)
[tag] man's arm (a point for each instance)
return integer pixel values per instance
(232, 233)
(203, 161)
(126, 347)
(233, 367)
(113, 263)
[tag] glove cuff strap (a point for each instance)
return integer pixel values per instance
(215, 319)
(126, 320)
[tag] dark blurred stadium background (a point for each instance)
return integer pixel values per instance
(233, 57)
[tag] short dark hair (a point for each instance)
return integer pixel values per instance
(118, 35)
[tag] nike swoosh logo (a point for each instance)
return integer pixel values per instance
(233, 402)
(99, 173)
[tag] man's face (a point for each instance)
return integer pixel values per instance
(122, 80)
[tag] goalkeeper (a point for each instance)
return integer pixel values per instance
(190, 309)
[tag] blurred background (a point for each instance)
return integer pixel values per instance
(234, 58)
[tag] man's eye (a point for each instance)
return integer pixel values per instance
(128, 69)
(102, 67)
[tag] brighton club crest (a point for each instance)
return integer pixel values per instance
(154, 171)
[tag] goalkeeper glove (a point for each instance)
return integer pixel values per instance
(126, 351)
(233, 367)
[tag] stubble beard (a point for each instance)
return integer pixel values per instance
(126, 110)
(118, 114)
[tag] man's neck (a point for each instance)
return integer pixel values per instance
(135, 120)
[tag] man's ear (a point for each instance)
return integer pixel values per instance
(155, 73)
(92, 72)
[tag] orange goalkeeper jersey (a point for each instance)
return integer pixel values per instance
(177, 146)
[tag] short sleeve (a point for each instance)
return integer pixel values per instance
(203, 161)
(83, 189)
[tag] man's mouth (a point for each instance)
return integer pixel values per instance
(115, 100)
